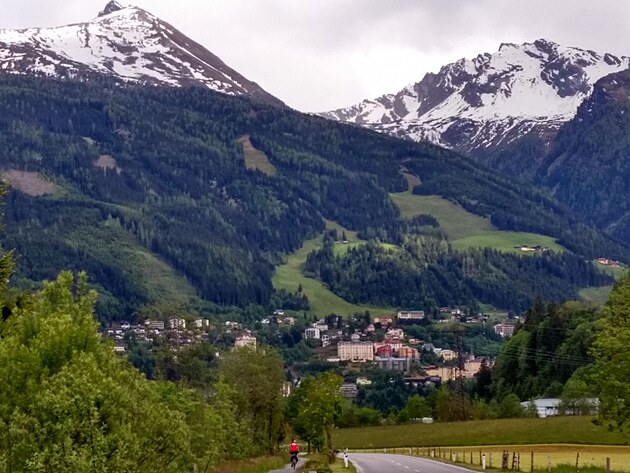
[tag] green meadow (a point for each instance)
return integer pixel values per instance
(466, 230)
(290, 275)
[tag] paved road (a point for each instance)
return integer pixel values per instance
(288, 468)
(383, 462)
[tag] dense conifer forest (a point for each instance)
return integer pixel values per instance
(175, 190)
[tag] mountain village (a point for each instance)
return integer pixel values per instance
(195, 274)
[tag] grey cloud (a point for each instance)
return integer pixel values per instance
(321, 54)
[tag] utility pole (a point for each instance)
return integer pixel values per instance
(461, 364)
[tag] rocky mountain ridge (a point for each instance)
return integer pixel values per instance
(125, 42)
(491, 100)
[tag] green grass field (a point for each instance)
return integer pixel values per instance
(551, 430)
(615, 272)
(506, 241)
(599, 295)
(595, 295)
(558, 440)
(322, 301)
(252, 465)
(254, 158)
(466, 230)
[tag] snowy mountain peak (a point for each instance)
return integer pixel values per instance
(492, 99)
(125, 42)
(111, 7)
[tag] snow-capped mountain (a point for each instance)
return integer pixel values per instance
(491, 100)
(127, 42)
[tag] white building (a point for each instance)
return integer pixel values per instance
(201, 323)
(446, 355)
(395, 333)
(355, 351)
(550, 406)
(321, 325)
(155, 324)
(313, 332)
(504, 330)
(410, 316)
(245, 340)
(177, 323)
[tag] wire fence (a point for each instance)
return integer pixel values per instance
(537, 459)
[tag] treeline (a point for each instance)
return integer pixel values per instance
(390, 400)
(426, 273)
(180, 188)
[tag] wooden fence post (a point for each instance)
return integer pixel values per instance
(577, 462)
(532, 468)
(516, 460)
(607, 464)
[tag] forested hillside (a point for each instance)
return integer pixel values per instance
(588, 165)
(121, 180)
(585, 163)
(425, 272)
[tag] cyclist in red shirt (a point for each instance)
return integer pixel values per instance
(294, 450)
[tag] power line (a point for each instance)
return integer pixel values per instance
(531, 353)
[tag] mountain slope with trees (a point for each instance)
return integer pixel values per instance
(165, 166)
(588, 164)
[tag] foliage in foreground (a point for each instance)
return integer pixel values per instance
(70, 404)
(613, 358)
(314, 408)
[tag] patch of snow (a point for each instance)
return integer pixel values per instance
(513, 98)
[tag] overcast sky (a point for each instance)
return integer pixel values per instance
(322, 54)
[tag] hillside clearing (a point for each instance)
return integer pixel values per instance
(30, 183)
(616, 272)
(599, 295)
(254, 158)
(466, 230)
(105, 161)
(595, 295)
